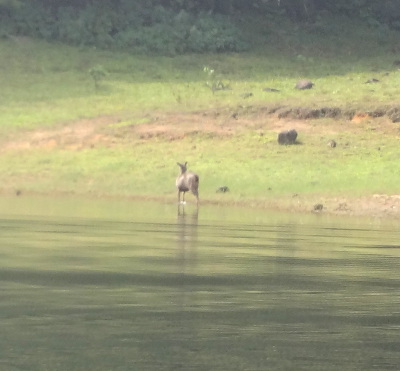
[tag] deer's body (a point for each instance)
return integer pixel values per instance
(187, 181)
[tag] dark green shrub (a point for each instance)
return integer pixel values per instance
(214, 34)
(92, 25)
(97, 73)
(32, 19)
(147, 29)
(160, 39)
(171, 33)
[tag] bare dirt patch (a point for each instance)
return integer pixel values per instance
(75, 135)
(115, 130)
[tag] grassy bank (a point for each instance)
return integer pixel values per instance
(253, 166)
(44, 84)
(228, 139)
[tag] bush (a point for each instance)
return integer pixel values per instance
(130, 27)
(183, 33)
(32, 19)
(97, 73)
(90, 26)
(214, 34)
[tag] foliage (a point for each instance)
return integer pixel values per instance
(89, 26)
(97, 73)
(23, 19)
(127, 26)
(172, 27)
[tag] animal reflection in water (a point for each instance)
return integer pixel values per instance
(187, 236)
(187, 181)
(185, 218)
(186, 258)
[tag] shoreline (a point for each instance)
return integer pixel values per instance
(380, 206)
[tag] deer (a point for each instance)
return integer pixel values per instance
(187, 181)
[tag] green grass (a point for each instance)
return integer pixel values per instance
(43, 84)
(253, 167)
(47, 84)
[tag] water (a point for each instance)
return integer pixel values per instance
(112, 285)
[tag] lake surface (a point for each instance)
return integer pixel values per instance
(124, 285)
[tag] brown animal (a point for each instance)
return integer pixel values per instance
(187, 181)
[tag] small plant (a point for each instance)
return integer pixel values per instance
(97, 73)
(213, 81)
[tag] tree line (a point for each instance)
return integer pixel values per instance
(173, 26)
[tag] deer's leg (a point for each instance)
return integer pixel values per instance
(196, 194)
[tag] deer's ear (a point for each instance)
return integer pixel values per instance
(185, 163)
